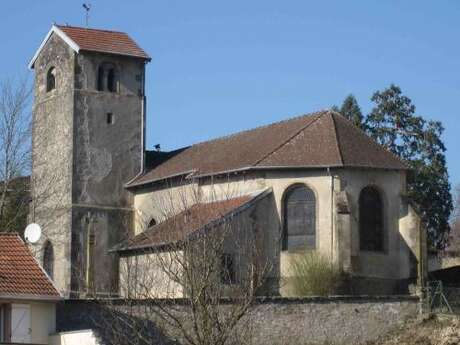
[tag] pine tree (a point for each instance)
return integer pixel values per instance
(394, 124)
(351, 110)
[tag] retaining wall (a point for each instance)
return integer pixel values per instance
(287, 321)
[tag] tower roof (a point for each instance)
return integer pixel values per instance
(318, 140)
(102, 41)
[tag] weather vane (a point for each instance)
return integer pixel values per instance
(87, 7)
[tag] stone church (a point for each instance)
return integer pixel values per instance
(315, 182)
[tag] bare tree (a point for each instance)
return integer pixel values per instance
(194, 276)
(15, 158)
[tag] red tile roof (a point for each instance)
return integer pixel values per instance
(104, 41)
(20, 274)
(322, 139)
(184, 224)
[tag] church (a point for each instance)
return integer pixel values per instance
(309, 183)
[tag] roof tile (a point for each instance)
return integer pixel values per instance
(321, 139)
(20, 273)
(104, 41)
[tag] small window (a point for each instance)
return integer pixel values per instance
(152, 222)
(48, 259)
(51, 79)
(227, 273)
(371, 234)
(111, 85)
(110, 119)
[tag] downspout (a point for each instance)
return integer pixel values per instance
(332, 215)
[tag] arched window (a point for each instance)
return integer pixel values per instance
(111, 85)
(48, 259)
(107, 78)
(100, 78)
(371, 235)
(299, 219)
(152, 222)
(51, 79)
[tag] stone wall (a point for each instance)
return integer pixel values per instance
(286, 321)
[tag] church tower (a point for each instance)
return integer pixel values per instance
(88, 142)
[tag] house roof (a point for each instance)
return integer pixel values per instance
(20, 274)
(102, 41)
(188, 222)
(317, 140)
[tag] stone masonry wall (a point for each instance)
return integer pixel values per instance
(283, 321)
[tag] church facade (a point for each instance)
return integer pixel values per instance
(310, 183)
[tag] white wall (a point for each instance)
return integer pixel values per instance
(83, 337)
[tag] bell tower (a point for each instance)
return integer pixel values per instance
(88, 142)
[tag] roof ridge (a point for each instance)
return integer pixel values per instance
(90, 29)
(336, 134)
(291, 137)
(256, 128)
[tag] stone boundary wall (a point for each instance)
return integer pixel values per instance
(288, 321)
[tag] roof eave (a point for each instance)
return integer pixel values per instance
(255, 168)
(30, 297)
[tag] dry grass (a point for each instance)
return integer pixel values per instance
(314, 275)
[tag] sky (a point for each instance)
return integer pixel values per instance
(219, 67)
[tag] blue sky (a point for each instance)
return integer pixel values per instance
(220, 67)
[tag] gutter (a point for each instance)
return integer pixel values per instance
(30, 297)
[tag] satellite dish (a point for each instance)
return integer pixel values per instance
(32, 233)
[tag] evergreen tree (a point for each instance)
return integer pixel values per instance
(351, 110)
(394, 124)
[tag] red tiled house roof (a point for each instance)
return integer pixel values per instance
(95, 40)
(20, 274)
(317, 140)
(179, 227)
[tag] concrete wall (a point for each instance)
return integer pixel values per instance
(277, 321)
(337, 234)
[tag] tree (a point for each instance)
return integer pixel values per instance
(394, 124)
(199, 285)
(15, 124)
(351, 110)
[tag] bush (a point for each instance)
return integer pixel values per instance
(313, 275)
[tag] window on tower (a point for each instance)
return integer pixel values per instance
(100, 78)
(51, 79)
(111, 80)
(107, 78)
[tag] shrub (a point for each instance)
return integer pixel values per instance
(313, 275)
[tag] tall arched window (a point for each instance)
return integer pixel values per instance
(51, 79)
(111, 85)
(371, 234)
(299, 219)
(48, 259)
(100, 78)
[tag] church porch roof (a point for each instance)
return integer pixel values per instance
(189, 222)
